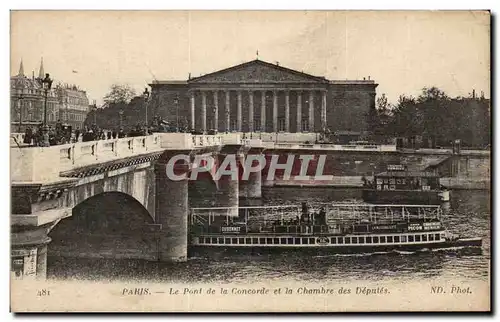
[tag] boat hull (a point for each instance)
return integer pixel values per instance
(473, 243)
(406, 196)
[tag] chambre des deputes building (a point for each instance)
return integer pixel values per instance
(258, 96)
(66, 103)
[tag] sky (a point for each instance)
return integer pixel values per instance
(403, 51)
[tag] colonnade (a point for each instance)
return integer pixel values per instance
(253, 106)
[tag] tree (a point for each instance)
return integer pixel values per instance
(119, 94)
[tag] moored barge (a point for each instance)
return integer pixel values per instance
(398, 185)
(338, 228)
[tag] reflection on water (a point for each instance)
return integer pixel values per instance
(468, 214)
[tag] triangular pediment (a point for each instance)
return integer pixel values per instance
(257, 71)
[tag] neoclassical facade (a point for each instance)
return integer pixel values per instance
(258, 96)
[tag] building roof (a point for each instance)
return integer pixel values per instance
(251, 66)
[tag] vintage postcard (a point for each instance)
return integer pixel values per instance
(250, 161)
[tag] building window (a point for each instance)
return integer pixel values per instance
(305, 125)
(281, 125)
(234, 125)
(256, 125)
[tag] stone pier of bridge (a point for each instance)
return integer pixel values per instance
(58, 192)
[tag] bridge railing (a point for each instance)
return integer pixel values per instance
(45, 163)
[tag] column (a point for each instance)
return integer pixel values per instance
(172, 208)
(287, 111)
(228, 113)
(228, 187)
(238, 120)
(216, 110)
(311, 111)
(192, 111)
(275, 112)
(299, 111)
(323, 111)
(263, 112)
(203, 111)
(250, 111)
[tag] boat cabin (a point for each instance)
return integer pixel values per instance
(399, 178)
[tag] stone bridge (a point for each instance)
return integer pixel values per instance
(63, 194)
(112, 198)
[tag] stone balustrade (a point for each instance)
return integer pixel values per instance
(41, 164)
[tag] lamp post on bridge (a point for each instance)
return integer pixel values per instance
(121, 118)
(47, 84)
(176, 102)
(94, 108)
(20, 97)
(146, 98)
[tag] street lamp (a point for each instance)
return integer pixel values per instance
(20, 106)
(47, 84)
(121, 118)
(176, 102)
(146, 97)
(94, 107)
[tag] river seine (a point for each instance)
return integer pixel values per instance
(468, 214)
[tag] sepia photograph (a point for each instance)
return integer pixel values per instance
(250, 161)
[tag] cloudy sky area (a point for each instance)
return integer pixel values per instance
(402, 51)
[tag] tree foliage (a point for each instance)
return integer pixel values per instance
(119, 94)
(435, 116)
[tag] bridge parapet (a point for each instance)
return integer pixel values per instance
(39, 164)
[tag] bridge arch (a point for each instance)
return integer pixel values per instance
(107, 225)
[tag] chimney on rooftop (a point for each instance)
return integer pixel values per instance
(368, 77)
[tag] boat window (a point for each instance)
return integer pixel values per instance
(297, 241)
(255, 240)
(410, 238)
(389, 239)
(382, 239)
(431, 237)
(276, 241)
(269, 241)
(241, 240)
(424, 237)
(354, 240)
(333, 240)
(220, 240)
(348, 240)
(361, 240)
(368, 239)
(207, 240)
(262, 240)
(396, 239)
(227, 241)
(214, 240)
(312, 241)
(248, 240)
(283, 241)
(436, 236)
(403, 239)
(375, 239)
(305, 240)
(290, 241)
(341, 240)
(201, 240)
(234, 240)
(417, 238)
